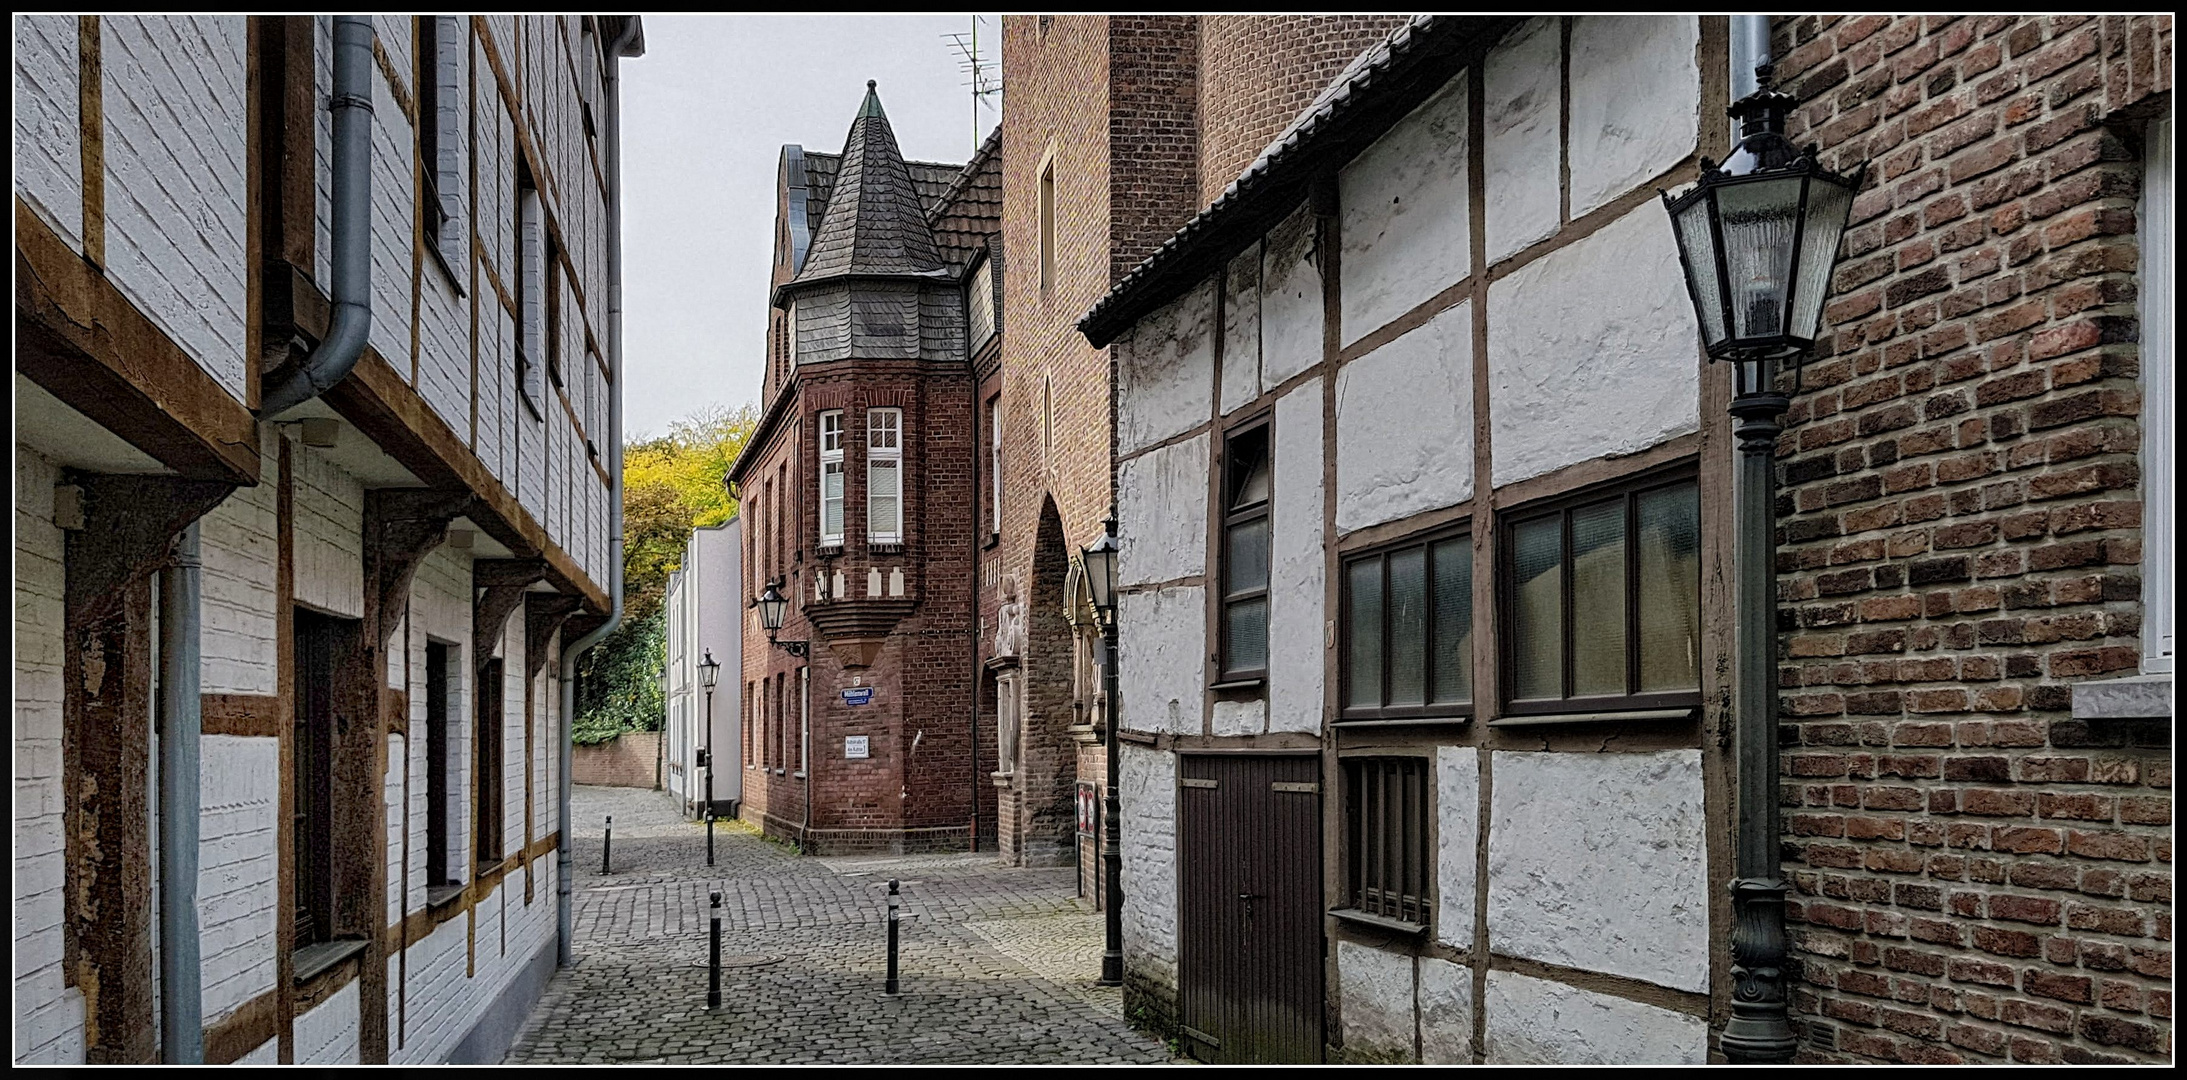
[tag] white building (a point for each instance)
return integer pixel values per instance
(705, 610)
(208, 215)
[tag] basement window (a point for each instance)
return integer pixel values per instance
(1386, 841)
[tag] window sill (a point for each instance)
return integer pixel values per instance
(884, 547)
(440, 258)
(1233, 686)
(1378, 922)
(1682, 713)
(316, 958)
(437, 895)
(798, 775)
(828, 549)
(1401, 721)
(2135, 697)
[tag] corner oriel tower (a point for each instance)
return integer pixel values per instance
(859, 486)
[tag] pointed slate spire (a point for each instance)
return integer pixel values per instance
(875, 223)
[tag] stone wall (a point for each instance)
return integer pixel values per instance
(627, 760)
(1980, 875)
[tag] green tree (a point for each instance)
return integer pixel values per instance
(672, 483)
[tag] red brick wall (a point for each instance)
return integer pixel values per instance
(1978, 876)
(1258, 72)
(1154, 133)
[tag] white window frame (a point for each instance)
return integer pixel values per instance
(884, 454)
(994, 465)
(2156, 399)
(831, 467)
(789, 321)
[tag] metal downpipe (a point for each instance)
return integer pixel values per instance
(350, 242)
(182, 1006)
(564, 865)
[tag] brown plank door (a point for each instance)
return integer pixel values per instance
(1250, 963)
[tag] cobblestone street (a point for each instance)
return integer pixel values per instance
(997, 964)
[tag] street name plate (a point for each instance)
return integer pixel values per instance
(854, 746)
(858, 695)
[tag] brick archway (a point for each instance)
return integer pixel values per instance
(1038, 812)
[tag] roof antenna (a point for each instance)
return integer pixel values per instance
(981, 76)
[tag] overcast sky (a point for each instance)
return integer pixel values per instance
(705, 113)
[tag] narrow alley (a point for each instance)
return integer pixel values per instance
(997, 964)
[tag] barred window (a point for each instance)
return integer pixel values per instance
(1386, 837)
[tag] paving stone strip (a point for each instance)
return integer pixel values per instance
(997, 964)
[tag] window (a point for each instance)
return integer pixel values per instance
(994, 465)
(1603, 605)
(884, 476)
(595, 404)
(319, 648)
(804, 717)
(440, 134)
(531, 290)
(1408, 631)
(831, 477)
(486, 753)
(979, 307)
(782, 726)
(440, 806)
(1047, 224)
(789, 335)
(1247, 484)
(2156, 374)
(1047, 422)
(1386, 837)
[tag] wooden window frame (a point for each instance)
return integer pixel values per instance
(489, 833)
(440, 863)
(1262, 425)
(319, 654)
(1429, 709)
(1389, 875)
(1629, 489)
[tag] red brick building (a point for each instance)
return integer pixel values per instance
(1119, 129)
(859, 493)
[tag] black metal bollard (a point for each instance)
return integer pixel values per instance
(709, 836)
(713, 963)
(607, 837)
(890, 986)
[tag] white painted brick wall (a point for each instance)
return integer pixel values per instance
(1407, 218)
(175, 140)
(48, 130)
(1167, 537)
(1297, 567)
(1609, 310)
(394, 211)
(240, 542)
(49, 1016)
(268, 1053)
(329, 507)
(1160, 656)
(1165, 371)
(238, 868)
(1147, 797)
(327, 1035)
(1404, 424)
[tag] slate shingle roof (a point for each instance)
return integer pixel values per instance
(876, 221)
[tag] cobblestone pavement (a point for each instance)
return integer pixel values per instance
(996, 965)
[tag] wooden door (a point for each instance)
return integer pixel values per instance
(1249, 854)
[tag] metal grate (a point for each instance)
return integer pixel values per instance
(1386, 816)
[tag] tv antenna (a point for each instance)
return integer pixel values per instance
(982, 74)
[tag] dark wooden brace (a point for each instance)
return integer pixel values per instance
(499, 585)
(544, 613)
(106, 738)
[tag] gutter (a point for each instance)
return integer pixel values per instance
(350, 238)
(181, 979)
(628, 42)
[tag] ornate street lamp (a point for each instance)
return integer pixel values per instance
(709, 671)
(1099, 559)
(1758, 238)
(772, 607)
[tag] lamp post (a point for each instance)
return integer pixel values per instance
(1099, 559)
(772, 607)
(709, 670)
(1758, 238)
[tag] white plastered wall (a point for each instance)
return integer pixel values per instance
(1406, 217)
(1147, 797)
(1404, 424)
(1173, 544)
(48, 123)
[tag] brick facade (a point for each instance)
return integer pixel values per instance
(1259, 72)
(1979, 876)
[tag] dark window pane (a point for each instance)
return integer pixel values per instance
(1537, 646)
(1248, 469)
(1363, 629)
(1453, 620)
(1670, 589)
(1408, 625)
(1246, 639)
(1598, 599)
(1245, 564)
